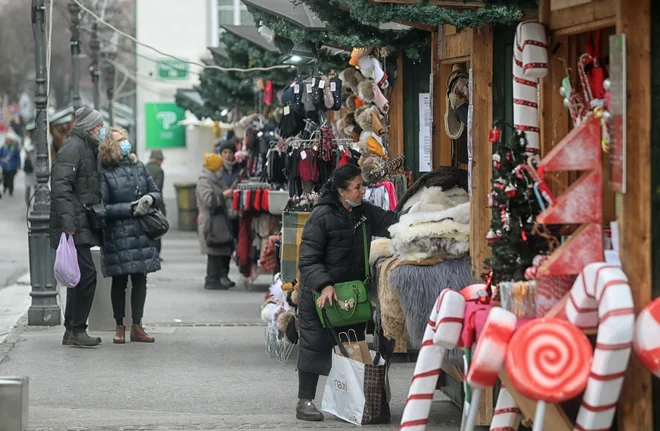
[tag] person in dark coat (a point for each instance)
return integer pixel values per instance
(10, 160)
(156, 171)
(128, 192)
(74, 188)
(230, 175)
(331, 252)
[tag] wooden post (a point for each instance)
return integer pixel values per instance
(481, 62)
(633, 20)
(396, 111)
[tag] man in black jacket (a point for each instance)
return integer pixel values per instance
(74, 190)
(156, 171)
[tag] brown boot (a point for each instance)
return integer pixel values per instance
(120, 335)
(139, 336)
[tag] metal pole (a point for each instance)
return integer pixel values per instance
(109, 77)
(74, 10)
(44, 310)
(95, 46)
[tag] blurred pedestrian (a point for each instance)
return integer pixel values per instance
(10, 160)
(156, 171)
(30, 162)
(128, 193)
(75, 193)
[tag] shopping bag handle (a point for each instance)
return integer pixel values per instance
(333, 334)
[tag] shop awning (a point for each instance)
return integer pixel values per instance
(251, 34)
(192, 96)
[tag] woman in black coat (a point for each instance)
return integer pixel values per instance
(331, 252)
(128, 192)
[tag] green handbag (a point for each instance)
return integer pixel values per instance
(353, 305)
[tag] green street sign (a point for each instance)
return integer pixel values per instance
(172, 69)
(162, 125)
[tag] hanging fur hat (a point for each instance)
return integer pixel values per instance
(354, 102)
(356, 54)
(368, 165)
(283, 320)
(371, 68)
(350, 78)
(369, 119)
(370, 93)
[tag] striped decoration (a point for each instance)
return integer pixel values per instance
(507, 414)
(647, 342)
(442, 333)
(601, 298)
(530, 62)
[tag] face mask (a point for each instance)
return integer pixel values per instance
(351, 203)
(102, 133)
(125, 147)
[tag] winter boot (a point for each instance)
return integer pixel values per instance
(139, 336)
(213, 284)
(81, 339)
(65, 338)
(120, 335)
(225, 281)
(307, 411)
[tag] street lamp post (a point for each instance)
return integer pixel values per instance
(95, 46)
(44, 310)
(109, 77)
(74, 10)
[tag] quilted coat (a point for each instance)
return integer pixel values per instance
(331, 252)
(74, 184)
(126, 249)
(209, 197)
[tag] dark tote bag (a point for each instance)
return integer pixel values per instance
(155, 224)
(220, 233)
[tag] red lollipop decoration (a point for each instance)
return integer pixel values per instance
(548, 360)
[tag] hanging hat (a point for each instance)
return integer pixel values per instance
(371, 68)
(212, 161)
(457, 100)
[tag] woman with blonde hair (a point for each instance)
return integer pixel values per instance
(128, 192)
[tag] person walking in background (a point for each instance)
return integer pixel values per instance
(74, 192)
(128, 192)
(216, 236)
(10, 160)
(156, 171)
(30, 162)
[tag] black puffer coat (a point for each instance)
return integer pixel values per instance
(74, 183)
(331, 252)
(127, 249)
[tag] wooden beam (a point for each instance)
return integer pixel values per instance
(633, 20)
(482, 119)
(581, 15)
(455, 45)
(396, 111)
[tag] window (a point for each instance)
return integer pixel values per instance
(233, 12)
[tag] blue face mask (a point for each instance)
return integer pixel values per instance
(102, 133)
(219, 175)
(353, 204)
(125, 148)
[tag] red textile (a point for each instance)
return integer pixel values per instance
(257, 199)
(244, 246)
(236, 203)
(268, 93)
(345, 158)
(248, 200)
(264, 200)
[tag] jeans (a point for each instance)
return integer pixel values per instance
(9, 181)
(138, 297)
(307, 383)
(79, 299)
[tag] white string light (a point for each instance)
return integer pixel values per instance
(203, 66)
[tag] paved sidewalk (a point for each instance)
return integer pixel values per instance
(206, 371)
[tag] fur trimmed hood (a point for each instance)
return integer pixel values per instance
(109, 155)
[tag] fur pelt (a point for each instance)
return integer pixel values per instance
(366, 91)
(351, 104)
(422, 235)
(389, 312)
(380, 248)
(351, 78)
(436, 199)
(418, 287)
(445, 177)
(283, 320)
(368, 165)
(349, 119)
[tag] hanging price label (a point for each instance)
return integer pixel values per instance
(296, 89)
(321, 84)
(309, 88)
(303, 155)
(333, 86)
(287, 110)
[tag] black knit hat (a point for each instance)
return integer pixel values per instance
(226, 145)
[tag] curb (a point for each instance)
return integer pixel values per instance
(9, 341)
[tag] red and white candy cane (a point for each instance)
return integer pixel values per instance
(601, 298)
(507, 414)
(488, 358)
(647, 341)
(530, 62)
(442, 333)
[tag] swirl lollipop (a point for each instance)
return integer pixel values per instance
(647, 342)
(549, 361)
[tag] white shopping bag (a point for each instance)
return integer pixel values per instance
(344, 394)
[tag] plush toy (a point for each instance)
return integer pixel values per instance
(371, 68)
(350, 78)
(370, 93)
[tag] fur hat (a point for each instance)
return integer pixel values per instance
(351, 103)
(370, 93)
(212, 161)
(371, 68)
(370, 120)
(350, 78)
(368, 165)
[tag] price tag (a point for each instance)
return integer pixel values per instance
(316, 148)
(341, 148)
(309, 88)
(303, 155)
(296, 89)
(287, 110)
(321, 84)
(333, 86)
(313, 82)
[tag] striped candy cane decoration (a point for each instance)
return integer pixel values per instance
(530, 62)
(507, 414)
(601, 297)
(647, 341)
(442, 332)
